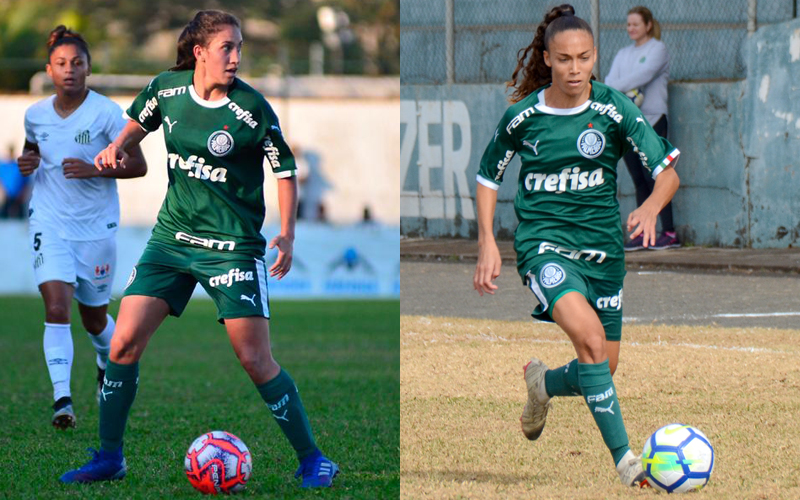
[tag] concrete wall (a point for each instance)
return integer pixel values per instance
(356, 140)
(738, 168)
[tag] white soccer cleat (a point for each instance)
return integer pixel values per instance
(630, 470)
(534, 414)
(64, 416)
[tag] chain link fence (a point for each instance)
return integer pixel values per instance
(704, 37)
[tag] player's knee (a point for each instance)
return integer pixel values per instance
(258, 367)
(123, 349)
(95, 325)
(595, 347)
(57, 313)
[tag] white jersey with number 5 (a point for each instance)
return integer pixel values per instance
(76, 209)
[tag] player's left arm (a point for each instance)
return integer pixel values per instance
(644, 218)
(278, 155)
(659, 157)
(287, 204)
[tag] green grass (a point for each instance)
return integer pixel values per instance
(343, 355)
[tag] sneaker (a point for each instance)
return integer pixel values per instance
(535, 412)
(666, 240)
(630, 470)
(101, 375)
(635, 244)
(317, 471)
(104, 466)
(63, 416)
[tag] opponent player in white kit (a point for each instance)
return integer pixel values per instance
(74, 209)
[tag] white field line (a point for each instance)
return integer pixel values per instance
(631, 319)
(492, 337)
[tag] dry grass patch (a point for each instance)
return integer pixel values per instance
(462, 391)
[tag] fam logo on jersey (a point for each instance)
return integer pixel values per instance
(272, 153)
(102, 271)
(172, 92)
(552, 275)
(83, 137)
(197, 168)
(519, 119)
(131, 277)
(586, 254)
(220, 143)
(591, 143)
(233, 276)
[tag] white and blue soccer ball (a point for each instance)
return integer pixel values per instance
(636, 95)
(677, 458)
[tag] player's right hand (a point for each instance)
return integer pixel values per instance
(111, 157)
(28, 162)
(487, 269)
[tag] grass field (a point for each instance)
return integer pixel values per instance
(342, 354)
(462, 392)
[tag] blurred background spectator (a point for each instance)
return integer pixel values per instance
(14, 188)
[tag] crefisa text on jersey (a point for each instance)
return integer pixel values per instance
(609, 109)
(557, 183)
(243, 115)
(197, 168)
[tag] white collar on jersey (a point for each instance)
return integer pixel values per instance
(208, 104)
(544, 108)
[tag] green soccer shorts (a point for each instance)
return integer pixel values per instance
(237, 283)
(550, 279)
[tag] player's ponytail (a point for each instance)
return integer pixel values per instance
(647, 17)
(198, 32)
(62, 35)
(534, 74)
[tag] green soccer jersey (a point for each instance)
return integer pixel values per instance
(215, 156)
(566, 200)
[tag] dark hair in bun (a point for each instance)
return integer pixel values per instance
(198, 32)
(63, 36)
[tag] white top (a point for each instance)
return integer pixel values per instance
(645, 68)
(77, 209)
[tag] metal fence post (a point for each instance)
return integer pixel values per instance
(595, 24)
(449, 41)
(752, 9)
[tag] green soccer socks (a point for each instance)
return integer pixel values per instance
(563, 381)
(597, 387)
(116, 398)
(284, 402)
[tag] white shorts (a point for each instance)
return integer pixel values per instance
(89, 266)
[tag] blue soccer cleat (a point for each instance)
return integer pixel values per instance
(104, 466)
(317, 471)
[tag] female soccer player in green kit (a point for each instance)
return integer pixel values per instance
(570, 132)
(219, 132)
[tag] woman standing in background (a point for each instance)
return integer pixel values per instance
(644, 67)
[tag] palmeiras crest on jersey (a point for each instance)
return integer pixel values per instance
(220, 143)
(591, 143)
(552, 275)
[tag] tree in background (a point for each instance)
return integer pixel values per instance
(135, 36)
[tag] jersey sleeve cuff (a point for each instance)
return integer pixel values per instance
(489, 184)
(670, 160)
(285, 174)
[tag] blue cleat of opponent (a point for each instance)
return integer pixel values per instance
(317, 471)
(104, 466)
